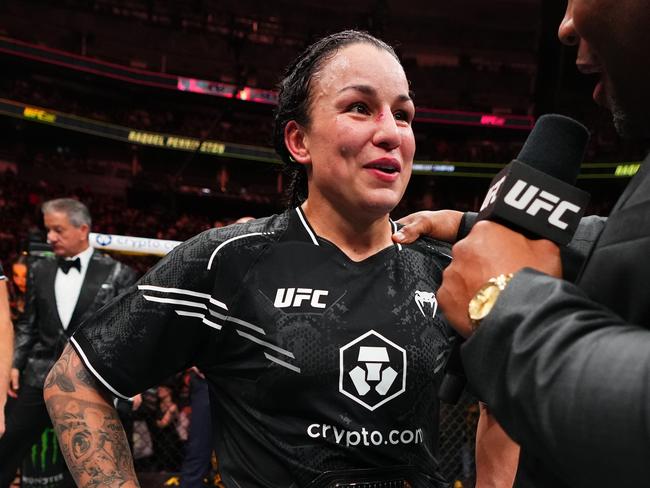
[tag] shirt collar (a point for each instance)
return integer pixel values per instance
(310, 235)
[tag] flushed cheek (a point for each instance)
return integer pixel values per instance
(350, 137)
(408, 144)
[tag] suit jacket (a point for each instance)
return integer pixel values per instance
(565, 367)
(39, 334)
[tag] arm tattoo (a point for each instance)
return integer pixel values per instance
(87, 379)
(93, 442)
(58, 377)
(90, 434)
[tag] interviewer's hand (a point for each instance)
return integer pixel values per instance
(489, 250)
(440, 224)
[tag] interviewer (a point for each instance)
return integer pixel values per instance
(565, 366)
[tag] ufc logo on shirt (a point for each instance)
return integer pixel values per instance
(295, 297)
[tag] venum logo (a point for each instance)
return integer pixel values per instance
(524, 196)
(424, 298)
(372, 370)
(294, 297)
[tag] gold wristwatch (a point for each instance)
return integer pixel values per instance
(484, 300)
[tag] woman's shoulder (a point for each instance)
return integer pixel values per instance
(234, 236)
(263, 226)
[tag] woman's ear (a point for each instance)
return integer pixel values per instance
(296, 141)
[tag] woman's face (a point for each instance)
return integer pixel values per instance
(20, 276)
(359, 145)
(164, 392)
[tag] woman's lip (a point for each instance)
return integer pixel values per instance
(382, 175)
(384, 162)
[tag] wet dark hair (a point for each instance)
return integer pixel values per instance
(294, 99)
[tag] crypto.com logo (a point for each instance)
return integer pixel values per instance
(103, 239)
(372, 370)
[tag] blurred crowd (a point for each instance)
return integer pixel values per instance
(21, 217)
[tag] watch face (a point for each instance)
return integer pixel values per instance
(483, 301)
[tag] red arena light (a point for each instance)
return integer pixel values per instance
(494, 120)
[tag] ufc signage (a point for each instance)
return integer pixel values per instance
(530, 198)
(296, 297)
(534, 203)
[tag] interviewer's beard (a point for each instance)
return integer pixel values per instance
(629, 123)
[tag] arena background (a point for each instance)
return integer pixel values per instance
(157, 114)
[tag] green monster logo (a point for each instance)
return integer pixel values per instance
(47, 437)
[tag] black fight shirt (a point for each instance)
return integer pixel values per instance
(317, 363)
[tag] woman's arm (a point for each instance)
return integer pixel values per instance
(6, 350)
(91, 436)
(167, 417)
(497, 455)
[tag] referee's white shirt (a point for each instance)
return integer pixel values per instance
(68, 286)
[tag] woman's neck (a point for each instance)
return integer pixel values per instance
(358, 238)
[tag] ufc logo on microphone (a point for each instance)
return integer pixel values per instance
(294, 297)
(524, 196)
(492, 193)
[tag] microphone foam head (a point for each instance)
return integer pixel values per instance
(556, 146)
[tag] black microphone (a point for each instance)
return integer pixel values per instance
(533, 195)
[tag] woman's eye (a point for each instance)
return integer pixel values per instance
(359, 108)
(402, 115)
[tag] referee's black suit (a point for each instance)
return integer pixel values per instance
(40, 338)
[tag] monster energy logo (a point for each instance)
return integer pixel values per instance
(49, 446)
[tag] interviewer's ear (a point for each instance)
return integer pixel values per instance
(297, 142)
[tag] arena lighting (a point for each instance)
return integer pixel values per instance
(493, 120)
(627, 170)
(431, 168)
(128, 74)
(205, 87)
(244, 94)
(218, 89)
(266, 154)
(39, 114)
(459, 117)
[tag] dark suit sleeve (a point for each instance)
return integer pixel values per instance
(25, 328)
(567, 378)
(575, 253)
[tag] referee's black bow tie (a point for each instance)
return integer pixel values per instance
(66, 264)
